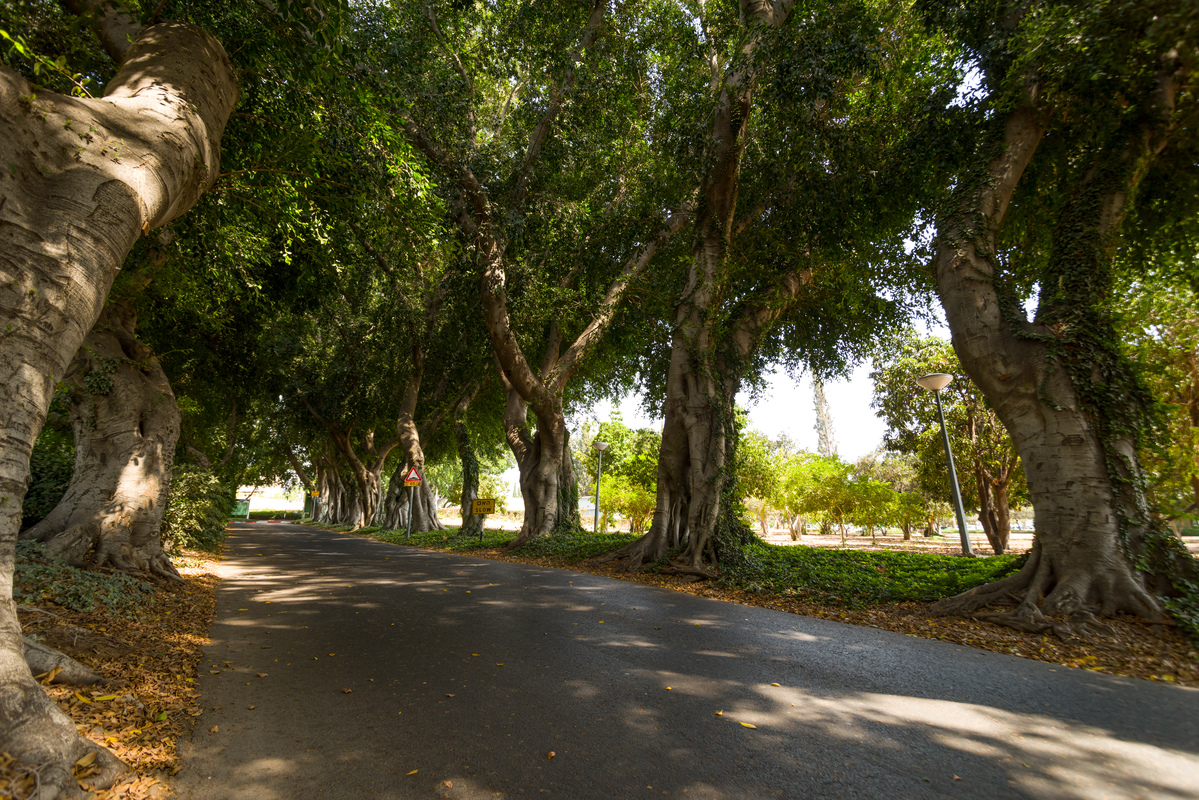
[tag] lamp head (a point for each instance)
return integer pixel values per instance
(934, 381)
(601, 446)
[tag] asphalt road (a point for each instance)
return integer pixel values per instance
(389, 672)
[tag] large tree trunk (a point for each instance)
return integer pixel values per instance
(126, 425)
(416, 502)
(1085, 521)
(543, 458)
(71, 206)
(400, 498)
(668, 529)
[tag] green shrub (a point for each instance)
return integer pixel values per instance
(273, 513)
(855, 578)
(197, 511)
(50, 469)
(40, 577)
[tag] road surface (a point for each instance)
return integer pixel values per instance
(341, 667)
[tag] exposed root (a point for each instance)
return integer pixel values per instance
(42, 737)
(524, 537)
(1070, 604)
(688, 571)
(58, 667)
(635, 555)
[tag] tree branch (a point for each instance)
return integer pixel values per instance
(569, 363)
(542, 129)
(470, 84)
(114, 26)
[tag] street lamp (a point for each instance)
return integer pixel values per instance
(600, 447)
(935, 382)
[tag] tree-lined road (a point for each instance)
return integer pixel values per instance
(464, 674)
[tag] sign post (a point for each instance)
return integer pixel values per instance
(411, 480)
(482, 508)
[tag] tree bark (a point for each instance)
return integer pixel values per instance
(545, 464)
(994, 512)
(84, 178)
(1069, 450)
(126, 425)
(417, 502)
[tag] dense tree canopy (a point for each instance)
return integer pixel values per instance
(389, 236)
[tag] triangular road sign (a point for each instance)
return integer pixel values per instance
(412, 478)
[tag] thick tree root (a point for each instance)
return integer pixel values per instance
(688, 571)
(58, 667)
(42, 737)
(1068, 603)
(635, 555)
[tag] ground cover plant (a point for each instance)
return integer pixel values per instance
(887, 590)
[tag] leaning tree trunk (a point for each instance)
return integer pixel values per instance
(1079, 459)
(126, 425)
(83, 178)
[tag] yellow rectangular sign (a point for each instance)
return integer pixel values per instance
(482, 506)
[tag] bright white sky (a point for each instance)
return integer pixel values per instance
(790, 408)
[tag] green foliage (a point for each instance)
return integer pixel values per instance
(50, 467)
(1159, 327)
(847, 578)
(630, 453)
(197, 511)
(492, 485)
(635, 502)
(979, 440)
(272, 513)
(853, 578)
(39, 577)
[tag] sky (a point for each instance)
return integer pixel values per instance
(787, 407)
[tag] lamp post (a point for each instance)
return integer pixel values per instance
(600, 447)
(935, 382)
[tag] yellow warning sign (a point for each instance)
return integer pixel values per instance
(482, 506)
(412, 478)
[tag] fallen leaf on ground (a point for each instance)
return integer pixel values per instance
(550, 754)
(213, 729)
(413, 772)
(346, 691)
(747, 725)
(262, 674)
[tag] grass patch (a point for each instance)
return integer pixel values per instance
(844, 578)
(855, 578)
(272, 513)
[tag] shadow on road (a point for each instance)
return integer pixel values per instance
(398, 673)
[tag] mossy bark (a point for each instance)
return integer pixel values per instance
(126, 425)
